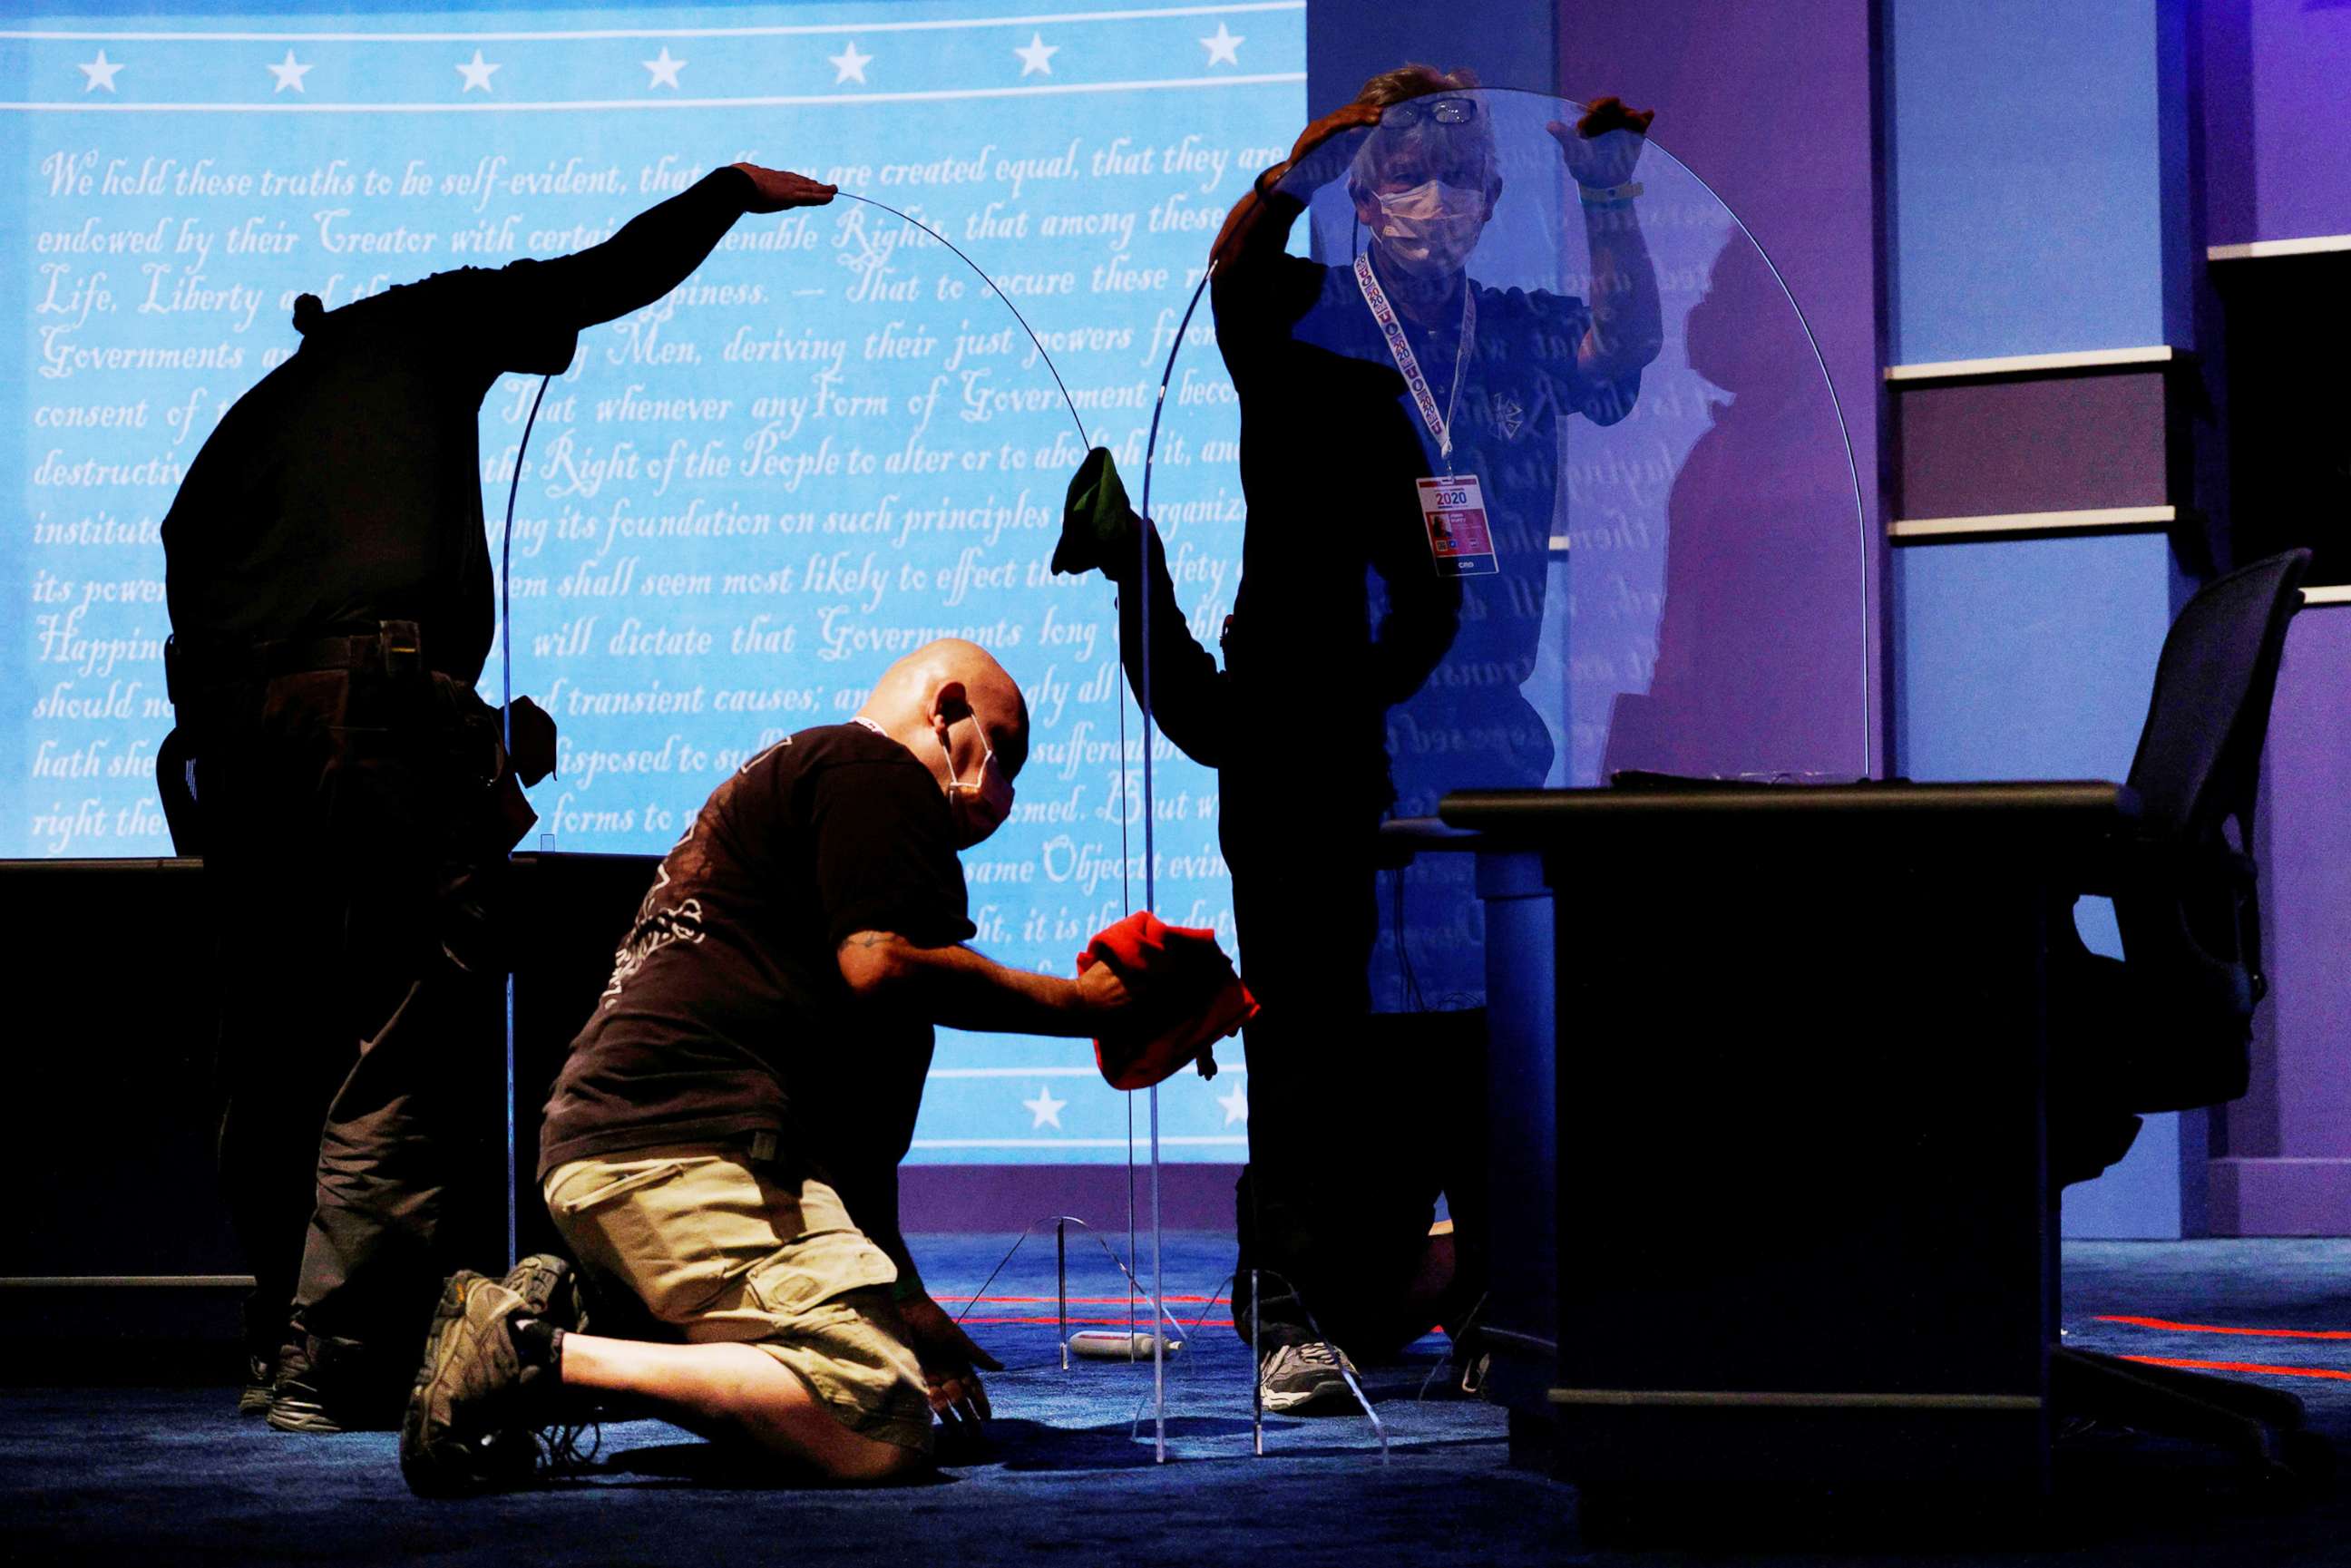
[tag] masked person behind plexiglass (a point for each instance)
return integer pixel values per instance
(1400, 437)
(1490, 368)
(1487, 364)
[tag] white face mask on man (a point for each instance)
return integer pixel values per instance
(981, 807)
(1431, 229)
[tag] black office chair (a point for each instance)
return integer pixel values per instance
(2168, 1026)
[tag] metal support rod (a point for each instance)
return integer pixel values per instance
(513, 1216)
(1123, 1269)
(1158, 1286)
(1062, 1282)
(1257, 1379)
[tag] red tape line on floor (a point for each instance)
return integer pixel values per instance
(1141, 1325)
(1085, 1301)
(2240, 1366)
(2215, 1328)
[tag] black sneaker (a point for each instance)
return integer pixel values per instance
(260, 1378)
(300, 1400)
(469, 1425)
(1306, 1379)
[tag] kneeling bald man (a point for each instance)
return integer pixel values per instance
(722, 1145)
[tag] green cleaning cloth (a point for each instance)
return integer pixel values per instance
(1099, 529)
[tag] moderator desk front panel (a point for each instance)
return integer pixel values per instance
(1801, 1220)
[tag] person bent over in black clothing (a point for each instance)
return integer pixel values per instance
(329, 584)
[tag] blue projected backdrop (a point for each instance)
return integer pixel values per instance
(831, 445)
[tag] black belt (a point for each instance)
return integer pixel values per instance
(392, 648)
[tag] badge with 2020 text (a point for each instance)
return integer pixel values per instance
(1453, 511)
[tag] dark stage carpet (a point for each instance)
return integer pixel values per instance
(173, 1477)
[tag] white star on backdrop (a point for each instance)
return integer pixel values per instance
(1236, 1103)
(100, 72)
(1224, 46)
(1045, 1108)
(1038, 56)
(849, 65)
(476, 73)
(664, 70)
(289, 74)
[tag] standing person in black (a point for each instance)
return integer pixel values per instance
(1367, 670)
(329, 584)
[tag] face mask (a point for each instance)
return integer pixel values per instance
(981, 806)
(1431, 229)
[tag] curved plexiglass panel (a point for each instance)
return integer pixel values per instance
(1678, 574)
(700, 565)
(683, 600)
(1545, 482)
(737, 567)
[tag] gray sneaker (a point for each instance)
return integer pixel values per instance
(469, 1425)
(1310, 1378)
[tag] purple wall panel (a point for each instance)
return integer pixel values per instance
(2288, 1170)
(2288, 1167)
(2280, 1198)
(1977, 448)
(2277, 137)
(2276, 165)
(1006, 1197)
(1725, 79)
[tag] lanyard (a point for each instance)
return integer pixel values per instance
(1440, 424)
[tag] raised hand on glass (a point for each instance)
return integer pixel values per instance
(1324, 150)
(777, 190)
(1603, 147)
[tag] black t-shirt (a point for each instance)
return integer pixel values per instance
(727, 1014)
(346, 488)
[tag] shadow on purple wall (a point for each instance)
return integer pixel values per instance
(1761, 646)
(1731, 85)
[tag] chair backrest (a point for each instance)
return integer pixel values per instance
(2200, 754)
(2190, 920)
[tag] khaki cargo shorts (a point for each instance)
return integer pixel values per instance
(717, 1249)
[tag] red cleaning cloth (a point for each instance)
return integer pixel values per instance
(1196, 998)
